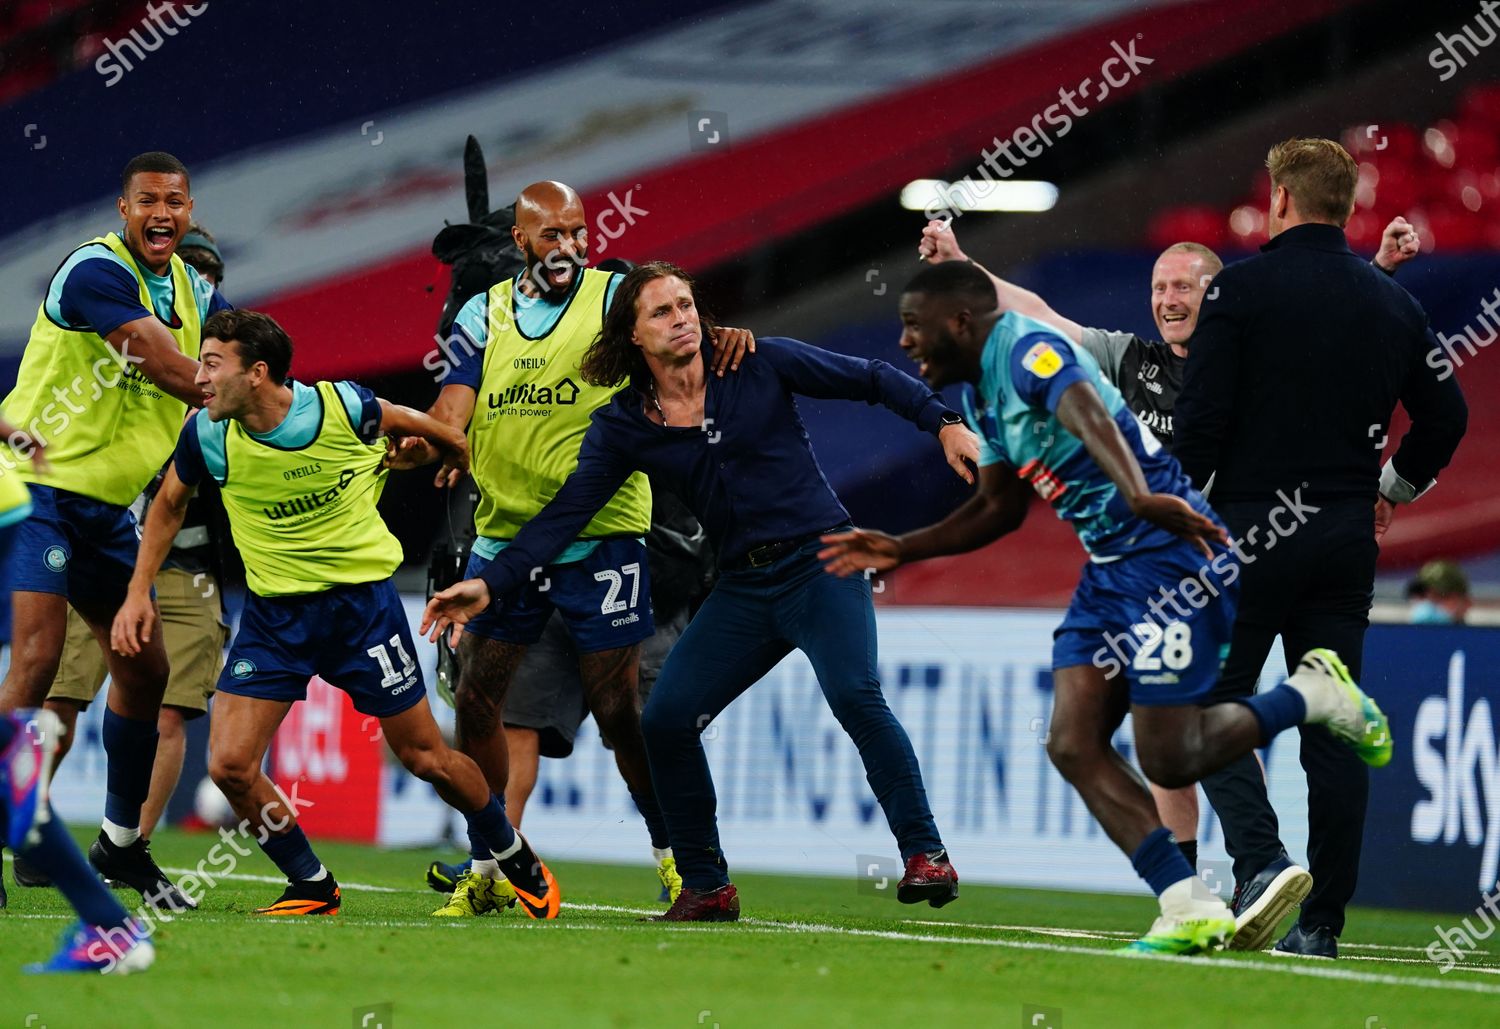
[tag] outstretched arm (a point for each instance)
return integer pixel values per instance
(940, 244)
(601, 471)
(998, 507)
(815, 372)
(453, 408)
(146, 344)
(1083, 414)
(449, 442)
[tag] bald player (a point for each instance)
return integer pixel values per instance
(514, 384)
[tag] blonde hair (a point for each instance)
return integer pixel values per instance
(1320, 176)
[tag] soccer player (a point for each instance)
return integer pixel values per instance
(518, 391)
(735, 451)
(300, 469)
(1148, 373)
(106, 378)
(189, 596)
(1047, 417)
(106, 939)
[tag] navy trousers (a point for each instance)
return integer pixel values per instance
(752, 619)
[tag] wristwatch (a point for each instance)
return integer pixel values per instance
(951, 418)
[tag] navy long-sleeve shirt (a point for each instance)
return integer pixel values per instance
(748, 474)
(1299, 358)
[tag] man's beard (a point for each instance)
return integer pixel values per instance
(537, 268)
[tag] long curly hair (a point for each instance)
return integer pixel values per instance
(614, 358)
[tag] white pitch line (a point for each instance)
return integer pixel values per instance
(761, 925)
(1115, 934)
(1044, 930)
(1310, 971)
(274, 879)
(281, 880)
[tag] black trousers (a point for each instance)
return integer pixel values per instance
(1313, 588)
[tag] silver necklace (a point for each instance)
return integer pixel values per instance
(656, 402)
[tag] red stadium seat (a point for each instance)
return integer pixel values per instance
(1451, 230)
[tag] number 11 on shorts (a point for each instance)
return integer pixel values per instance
(389, 676)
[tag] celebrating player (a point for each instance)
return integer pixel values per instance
(525, 339)
(106, 939)
(189, 598)
(1148, 373)
(1049, 418)
(107, 376)
(735, 451)
(299, 469)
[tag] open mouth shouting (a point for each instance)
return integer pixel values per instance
(159, 239)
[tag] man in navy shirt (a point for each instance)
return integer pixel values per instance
(734, 449)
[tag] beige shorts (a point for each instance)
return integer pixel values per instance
(192, 629)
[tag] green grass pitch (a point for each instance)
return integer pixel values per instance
(809, 952)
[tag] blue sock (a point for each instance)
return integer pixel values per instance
(293, 855)
(58, 856)
(491, 829)
(1277, 710)
(131, 748)
(478, 849)
(1158, 861)
(656, 823)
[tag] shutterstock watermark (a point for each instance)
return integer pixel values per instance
(1030, 141)
(116, 371)
(1446, 54)
(222, 860)
(1161, 643)
(114, 63)
(1455, 944)
(1471, 341)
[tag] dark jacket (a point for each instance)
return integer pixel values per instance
(1299, 358)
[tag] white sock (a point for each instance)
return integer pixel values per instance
(1179, 899)
(661, 855)
(511, 851)
(119, 835)
(320, 876)
(1319, 694)
(489, 868)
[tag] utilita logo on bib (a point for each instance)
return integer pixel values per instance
(311, 501)
(532, 398)
(1455, 761)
